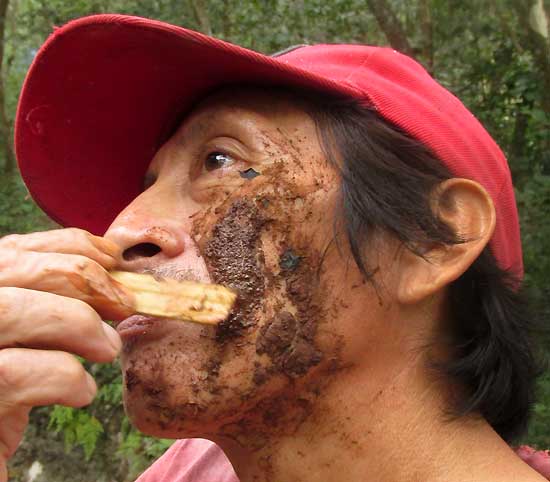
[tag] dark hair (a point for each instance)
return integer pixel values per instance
(387, 180)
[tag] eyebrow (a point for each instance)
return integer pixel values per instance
(203, 127)
(196, 128)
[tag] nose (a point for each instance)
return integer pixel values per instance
(151, 230)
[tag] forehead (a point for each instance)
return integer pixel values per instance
(252, 105)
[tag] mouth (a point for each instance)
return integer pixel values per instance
(190, 266)
(136, 325)
(145, 327)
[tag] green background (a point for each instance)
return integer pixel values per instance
(493, 54)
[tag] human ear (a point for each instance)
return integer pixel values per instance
(468, 210)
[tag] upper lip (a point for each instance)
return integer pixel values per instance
(174, 271)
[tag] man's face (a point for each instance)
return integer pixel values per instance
(243, 196)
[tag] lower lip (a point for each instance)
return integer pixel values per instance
(138, 325)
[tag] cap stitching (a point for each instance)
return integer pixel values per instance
(292, 48)
(360, 66)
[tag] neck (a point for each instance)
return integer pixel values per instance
(385, 429)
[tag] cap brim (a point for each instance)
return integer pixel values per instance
(101, 96)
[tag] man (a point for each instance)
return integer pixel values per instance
(364, 217)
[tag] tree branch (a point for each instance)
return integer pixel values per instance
(200, 10)
(390, 25)
(5, 124)
(536, 42)
(427, 35)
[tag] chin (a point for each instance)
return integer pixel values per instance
(181, 383)
(236, 405)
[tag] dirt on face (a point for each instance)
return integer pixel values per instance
(234, 256)
(262, 233)
(152, 386)
(289, 343)
(289, 339)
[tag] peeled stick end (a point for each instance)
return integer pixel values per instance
(185, 300)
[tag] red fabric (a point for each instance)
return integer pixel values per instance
(104, 91)
(192, 460)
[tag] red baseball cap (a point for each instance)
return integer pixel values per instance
(104, 91)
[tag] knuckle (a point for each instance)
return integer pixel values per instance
(88, 320)
(82, 264)
(73, 309)
(73, 371)
(81, 308)
(8, 258)
(10, 376)
(10, 299)
(94, 273)
(79, 235)
(10, 241)
(76, 232)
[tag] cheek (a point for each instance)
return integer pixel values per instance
(235, 259)
(269, 248)
(268, 244)
(166, 380)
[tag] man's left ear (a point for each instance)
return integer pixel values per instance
(468, 210)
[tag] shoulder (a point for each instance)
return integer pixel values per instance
(191, 460)
(537, 459)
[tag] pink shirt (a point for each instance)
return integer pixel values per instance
(198, 460)
(191, 460)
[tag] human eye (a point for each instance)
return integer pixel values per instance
(217, 160)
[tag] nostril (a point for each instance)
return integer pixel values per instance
(142, 250)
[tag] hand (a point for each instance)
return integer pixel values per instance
(54, 289)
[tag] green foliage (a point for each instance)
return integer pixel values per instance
(539, 435)
(78, 427)
(135, 447)
(18, 212)
(534, 205)
(103, 431)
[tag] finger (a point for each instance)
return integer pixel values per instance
(35, 319)
(41, 377)
(66, 241)
(68, 275)
(12, 429)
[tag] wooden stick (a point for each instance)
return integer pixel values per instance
(185, 300)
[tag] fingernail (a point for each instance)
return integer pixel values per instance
(92, 387)
(112, 336)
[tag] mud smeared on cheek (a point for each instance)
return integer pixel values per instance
(279, 295)
(234, 256)
(288, 339)
(289, 344)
